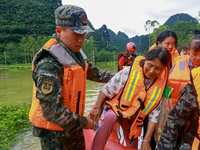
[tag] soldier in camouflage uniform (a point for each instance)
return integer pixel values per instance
(48, 75)
(185, 109)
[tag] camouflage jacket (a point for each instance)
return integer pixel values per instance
(185, 109)
(53, 109)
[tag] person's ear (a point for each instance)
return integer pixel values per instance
(58, 30)
(159, 43)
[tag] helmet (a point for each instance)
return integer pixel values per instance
(131, 47)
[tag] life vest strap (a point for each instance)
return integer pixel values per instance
(141, 103)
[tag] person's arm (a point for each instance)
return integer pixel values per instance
(98, 75)
(110, 90)
(48, 76)
(95, 114)
(147, 138)
(122, 62)
(177, 118)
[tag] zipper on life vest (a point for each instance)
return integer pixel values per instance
(78, 102)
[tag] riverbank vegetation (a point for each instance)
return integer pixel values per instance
(13, 121)
(14, 113)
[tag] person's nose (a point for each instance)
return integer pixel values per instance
(170, 45)
(198, 56)
(81, 38)
(152, 70)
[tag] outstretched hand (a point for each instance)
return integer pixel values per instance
(90, 124)
(95, 114)
(145, 145)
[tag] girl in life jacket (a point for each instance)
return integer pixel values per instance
(134, 94)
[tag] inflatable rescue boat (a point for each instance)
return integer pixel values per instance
(115, 141)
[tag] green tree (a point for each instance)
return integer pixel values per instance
(90, 49)
(150, 26)
(198, 21)
(11, 53)
(183, 31)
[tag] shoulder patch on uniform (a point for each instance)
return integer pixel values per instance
(47, 85)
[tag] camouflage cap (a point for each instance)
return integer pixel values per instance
(73, 17)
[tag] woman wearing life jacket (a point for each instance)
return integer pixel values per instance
(125, 58)
(135, 93)
(186, 109)
(179, 76)
(168, 39)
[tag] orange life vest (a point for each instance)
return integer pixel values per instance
(74, 86)
(196, 81)
(179, 77)
(134, 101)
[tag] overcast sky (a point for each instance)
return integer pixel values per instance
(130, 16)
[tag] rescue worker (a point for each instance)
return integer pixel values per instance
(185, 111)
(179, 75)
(125, 58)
(134, 93)
(168, 39)
(60, 69)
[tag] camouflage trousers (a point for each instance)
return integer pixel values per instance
(57, 140)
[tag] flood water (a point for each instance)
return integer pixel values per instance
(17, 87)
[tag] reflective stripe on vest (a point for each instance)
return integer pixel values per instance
(132, 85)
(152, 100)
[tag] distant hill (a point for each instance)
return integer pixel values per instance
(142, 42)
(179, 17)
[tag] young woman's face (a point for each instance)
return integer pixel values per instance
(168, 43)
(195, 56)
(152, 68)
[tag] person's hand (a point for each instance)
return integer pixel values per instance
(145, 145)
(90, 124)
(95, 114)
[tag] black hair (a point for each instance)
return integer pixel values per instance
(196, 32)
(183, 47)
(158, 52)
(195, 41)
(164, 34)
